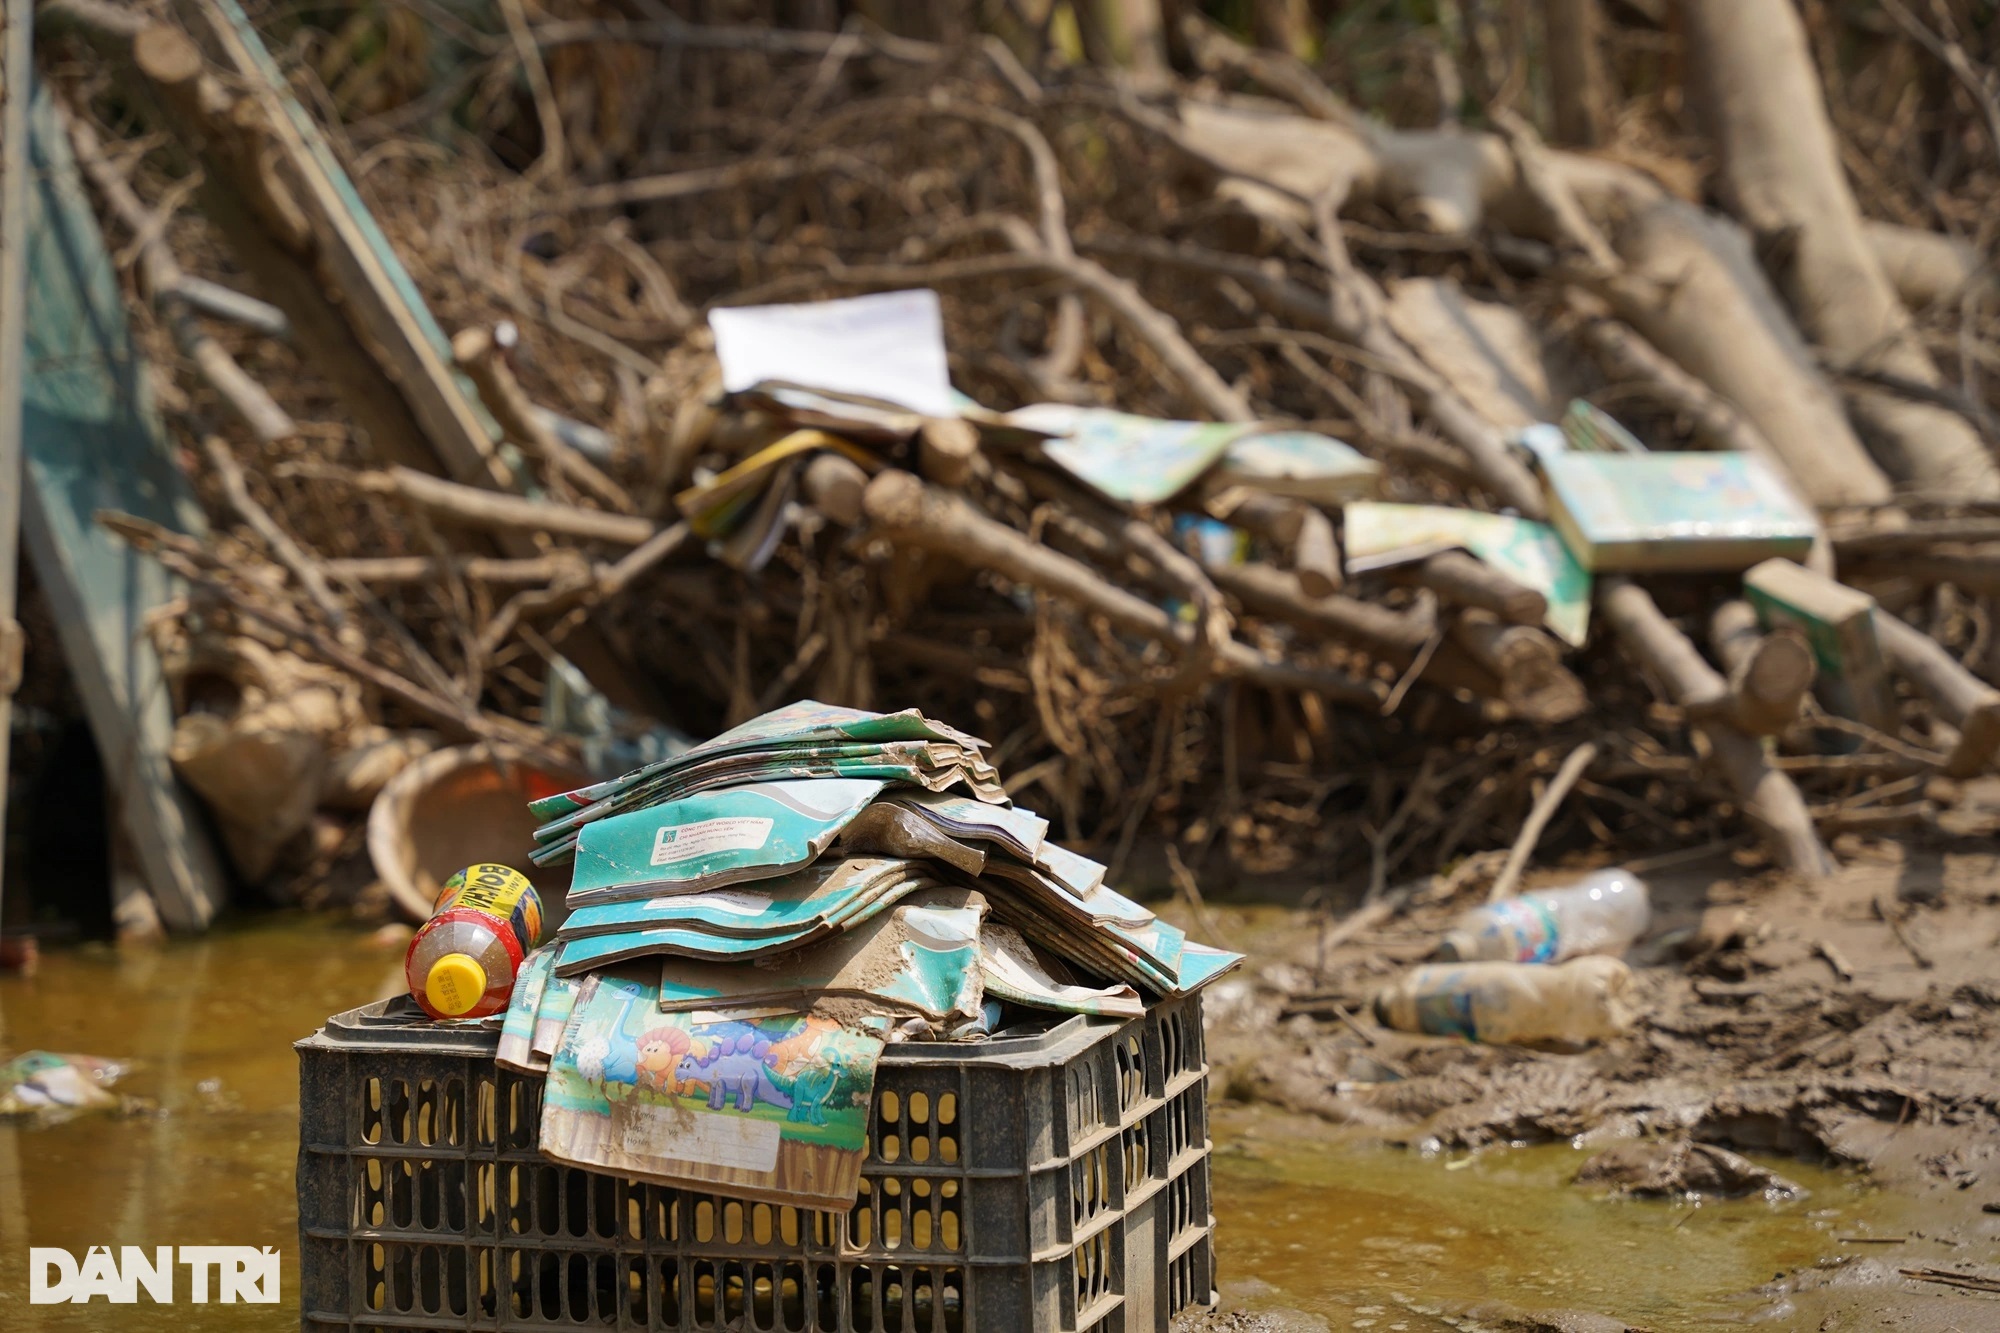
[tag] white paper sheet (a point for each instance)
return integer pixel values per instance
(888, 347)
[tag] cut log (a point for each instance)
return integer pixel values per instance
(1968, 703)
(1692, 289)
(1278, 519)
(1769, 674)
(1782, 172)
(1315, 557)
(833, 486)
(1300, 532)
(947, 448)
(1534, 683)
(1839, 622)
(1689, 281)
(1466, 580)
(1769, 797)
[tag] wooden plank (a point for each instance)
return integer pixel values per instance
(16, 63)
(91, 440)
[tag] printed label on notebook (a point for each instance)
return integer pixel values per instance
(674, 843)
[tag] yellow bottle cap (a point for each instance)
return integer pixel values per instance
(455, 983)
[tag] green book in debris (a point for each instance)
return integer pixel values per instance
(1679, 512)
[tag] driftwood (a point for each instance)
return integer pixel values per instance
(833, 485)
(1301, 532)
(1460, 579)
(493, 510)
(1223, 259)
(162, 279)
(1397, 636)
(476, 354)
(1546, 804)
(1767, 795)
(1966, 702)
(948, 450)
(1315, 558)
(1534, 683)
(1781, 166)
(188, 559)
(394, 569)
(1770, 675)
(902, 507)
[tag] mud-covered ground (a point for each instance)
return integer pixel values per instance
(1855, 1021)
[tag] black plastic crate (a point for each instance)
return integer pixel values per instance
(1081, 1201)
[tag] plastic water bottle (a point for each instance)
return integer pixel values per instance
(1601, 913)
(1583, 1000)
(463, 962)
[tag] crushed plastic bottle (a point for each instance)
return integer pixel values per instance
(462, 964)
(1581, 1001)
(1604, 912)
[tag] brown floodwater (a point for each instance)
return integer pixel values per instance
(1367, 1237)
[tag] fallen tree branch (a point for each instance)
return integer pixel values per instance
(495, 510)
(1770, 675)
(1968, 703)
(161, 278)
(1539, 815)
(476, 355)
(1469, 581)
(1769, 797)
(1534, 683)
(187, 558)
(304, 568)
(902, 507)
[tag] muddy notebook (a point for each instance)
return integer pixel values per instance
(922, 957)
(806, 721)
(929, 765)
(833, 891)
(1681, 512)
(714, 838)
(767, 1107)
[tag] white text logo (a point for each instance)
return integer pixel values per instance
(225, 1273)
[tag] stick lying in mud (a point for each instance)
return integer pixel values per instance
(1544, 810)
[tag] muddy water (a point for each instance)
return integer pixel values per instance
(213, 1019)
(1365, 1236)
(1374, 1237)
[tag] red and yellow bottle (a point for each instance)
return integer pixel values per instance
(463, 962)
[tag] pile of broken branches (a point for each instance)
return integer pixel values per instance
(423, 533)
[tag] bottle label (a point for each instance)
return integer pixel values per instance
(1446, 1011)
(1527, 929)
(498, 891)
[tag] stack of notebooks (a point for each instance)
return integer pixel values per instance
(773, 906)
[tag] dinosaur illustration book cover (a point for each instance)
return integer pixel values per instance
(763, 1105)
